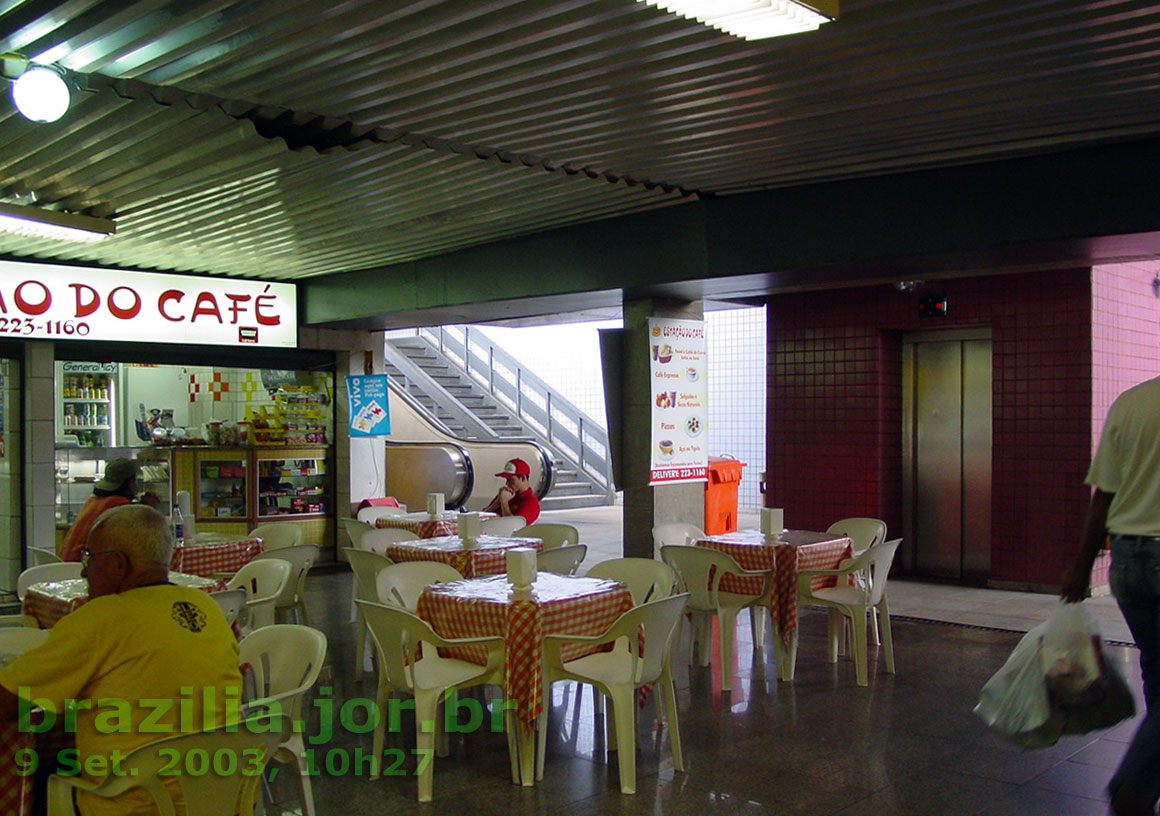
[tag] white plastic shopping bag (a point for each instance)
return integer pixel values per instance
(1057, 681)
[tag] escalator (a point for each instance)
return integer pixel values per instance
(423, 456)
(457, 387)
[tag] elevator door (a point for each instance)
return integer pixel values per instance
(947, 453)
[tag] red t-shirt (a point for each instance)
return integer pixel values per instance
(78, 534)
(525, 504)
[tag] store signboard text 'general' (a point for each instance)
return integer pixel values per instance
(75, 303)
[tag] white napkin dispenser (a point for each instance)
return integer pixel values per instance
(521, 567)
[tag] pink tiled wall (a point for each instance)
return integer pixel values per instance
(1125, 333)
(834, 430)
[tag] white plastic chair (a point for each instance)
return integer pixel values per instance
(365, 565)
(233, 791)
(405, 665)
(355, 530)
(231, 601)
(646, 578)
(263, 580)
(502, 525)
(277, 535)
(561, 560)
(378, 540)
(44, 556)
(16, 640)
(853, 602)
(701, 570)
(63, 571)
(401, 584)
(619, 672)
(553, 535)
(293, 596)
(678, 532)
(369, 514)
(863, 533)
(284, 661)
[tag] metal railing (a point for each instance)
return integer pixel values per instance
(576, 436)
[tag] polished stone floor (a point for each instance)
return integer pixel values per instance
(906, 745)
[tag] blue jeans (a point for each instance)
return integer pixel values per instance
(1135, 581)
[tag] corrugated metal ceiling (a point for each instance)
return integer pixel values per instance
(301, 138)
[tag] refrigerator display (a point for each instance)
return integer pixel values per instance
(86, 414)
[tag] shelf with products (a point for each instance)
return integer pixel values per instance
(300, 415)
(233, 503)
(221, 486)
(292, 486)
(86, 404)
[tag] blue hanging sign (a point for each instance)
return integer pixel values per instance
(369, 405)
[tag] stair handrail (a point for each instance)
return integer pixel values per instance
(523, 391)
(412, 374)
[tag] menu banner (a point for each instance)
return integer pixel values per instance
(679, 375)
(46, 301)
(369, 404)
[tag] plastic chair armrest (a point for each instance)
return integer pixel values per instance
(804, 577)
(487, 640)
(60, 793)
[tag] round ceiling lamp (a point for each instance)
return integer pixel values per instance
(40, 94)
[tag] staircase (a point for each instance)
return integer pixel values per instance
(472, 389)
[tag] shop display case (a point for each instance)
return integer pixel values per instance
(79, 468)
(295, 487)
(235, 489)
(222, 490)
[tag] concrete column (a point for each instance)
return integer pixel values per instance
(39, 445)
(645, 506)
(358, 462)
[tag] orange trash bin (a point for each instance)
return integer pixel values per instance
(724, 475)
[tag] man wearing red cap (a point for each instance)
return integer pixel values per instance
(516, 497)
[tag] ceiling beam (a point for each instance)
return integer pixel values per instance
(1070, 208)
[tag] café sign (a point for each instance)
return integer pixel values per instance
(50, 302)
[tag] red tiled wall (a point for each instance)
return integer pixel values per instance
(834, 429)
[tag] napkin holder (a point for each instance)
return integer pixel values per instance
(772, 523)
(435, 505)
(521, 568)
(469, 530)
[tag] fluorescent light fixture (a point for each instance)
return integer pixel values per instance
(34, 222)
(755, 19)
(40, 93)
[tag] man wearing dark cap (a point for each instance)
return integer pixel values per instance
(119, 486)
(516, 497)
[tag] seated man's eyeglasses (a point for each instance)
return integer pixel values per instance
(88, 555)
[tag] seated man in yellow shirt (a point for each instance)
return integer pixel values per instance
(143, 659)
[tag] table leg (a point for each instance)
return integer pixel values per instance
(527, 744)
(785, 654)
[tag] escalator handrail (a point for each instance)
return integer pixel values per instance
(455, 500)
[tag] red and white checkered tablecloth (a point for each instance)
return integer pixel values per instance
(422, 525)
(558, 605)
(17, 769)
(215, 557)
(15, 787)
(487, 557)
(50, 601)
(796, 550)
